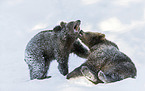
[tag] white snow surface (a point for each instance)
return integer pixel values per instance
(123, 22)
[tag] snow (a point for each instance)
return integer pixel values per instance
(20, 20)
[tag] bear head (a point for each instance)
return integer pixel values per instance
(68, 30)
(91, 38)
(72, 28)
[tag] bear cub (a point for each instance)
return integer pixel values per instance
(54, 44)
(106, 63)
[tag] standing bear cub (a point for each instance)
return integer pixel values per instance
(54, 44)
(106, 63)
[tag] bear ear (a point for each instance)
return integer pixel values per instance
(57, 28)
(102, 36)
(62, 24)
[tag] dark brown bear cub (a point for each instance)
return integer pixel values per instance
(54, 44)
(106, 63)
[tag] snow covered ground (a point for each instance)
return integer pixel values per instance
(123, 21)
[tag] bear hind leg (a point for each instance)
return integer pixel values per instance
(39, 71)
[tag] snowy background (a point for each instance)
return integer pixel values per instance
(123, 22)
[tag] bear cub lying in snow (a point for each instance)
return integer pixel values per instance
(54, 44)
(106, 63)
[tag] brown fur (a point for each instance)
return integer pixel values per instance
(105, 62)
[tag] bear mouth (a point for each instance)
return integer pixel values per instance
(76, 28)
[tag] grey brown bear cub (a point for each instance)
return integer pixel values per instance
(105, 63)
(54, 44)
